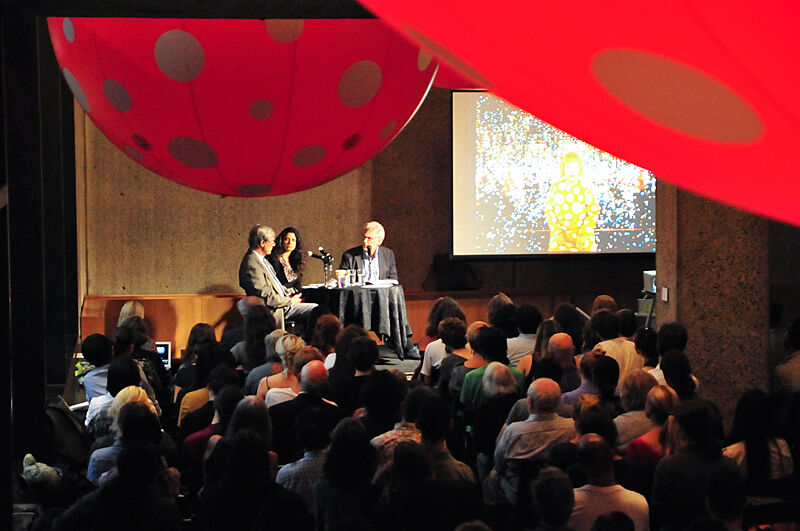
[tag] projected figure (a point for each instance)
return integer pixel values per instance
(571, 210)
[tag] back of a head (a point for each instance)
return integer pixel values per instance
(473, 329)
(304, 357)
(634, 388)
(627, 322)
(672, 336)
(287, 348)
(595, 455)
(605, 375)
(491, 344)
(313, 429)
(209, 356)
(506, 320)
(122, 372)
(587, 362)
(604, 302)
(314, 377)
(678, 373)
(138, 464)
(137, 422)
(222, 376)
(596, 419)
(646, 342)
(571, 322)
(498, 381)
(258, 234)
(270, 342)
(662, 401)
(130, 309)
(548, 368)
(561, 348)
(124, 339)
(225, 404)
(246, 467)
(363, 353)
(383, 393)
(410, 462)
(497, 302)
(415, 399)
(528, 318)
(434, 419)
(326, 330)
(141, 331)
(793, 336)
(752, 423)
(311, 322)
(546, 329)
(258, 323)
(351, 459)
(553, 497)
(605, 323)
(251, 413)
(696, 420)
(545, 395)
(132, 393)
(453, 333)
(97, 349)
(613, 521)
(442, 308)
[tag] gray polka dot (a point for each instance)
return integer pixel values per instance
(387, 129)
(117, 95)
(254, 189)
(285, 31)
(308, 156)
(69, 30)
(423, 60)
(447, 57)
(260, 109)
(359, 83)
(77, 90)
(141, 142)
(179, 55)
(351, 142)
(133, 152)
(192, 152)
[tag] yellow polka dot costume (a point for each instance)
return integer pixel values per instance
(571, 211)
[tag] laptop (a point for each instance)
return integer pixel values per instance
(164, 349)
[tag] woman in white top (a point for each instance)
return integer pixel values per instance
(277, 395)
(286, 347)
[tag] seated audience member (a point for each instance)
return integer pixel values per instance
(564, 455)
(530, 439)
(563, 351)
(476, 360)
(244, 495)
(435, 349)
(326, 330)
(200, 334)
(234, 335)
(647, 450)
(571, 321)
(680, 479)
(434, 422)
(122, 372)
(602, 494)
(139, 497)
(363, 353)
(726, 497)
(273, 365)
(130, 309)
(762, 457)
(278, 395)
(633, 395)
(220, 376)
(124, 339)
(405, 430)
(209, 356)
(623, 351)
(313, 381)
(453, 333)
(343, 367)
(586, 386)
(678, 374)
(786, 377)
(345, 494)
(491, 344)
(646, 342)
(541, 347)
(553, 499)
(506, 320)
(500, 390)
(547, 368)
(605, 376)
(137, 423)
(671, 336)
(382, 394)
(144, 352)
(97, 350)
(195, 445)
(313, 432)
(251, 352)
(528, 319)
(287, 347)
(627, 323)
(590, 339)
(311, 323)
(603, 302)
(497, 302)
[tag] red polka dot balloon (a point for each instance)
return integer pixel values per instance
(701, 92)
(244, 107)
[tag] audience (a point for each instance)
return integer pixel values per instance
(475, 361)
(562, 350)
(528, 319)
(251, 352)
(435, 350)
(343, 367)
(434, 422)
(405, 430)
(491, 344)
(286, 347)
(382, 395)
(453, 333)
(671, 336)
(200, 334)
(278, 394)
(220, 376)
(633, 395)
(97, 349)
(313, 433)
(620, 349)
(363, 353)
(326, 330)
(571, 321)
(273, 365)
(648, 449)
(500, 390)
(552, 499)
(646, 342)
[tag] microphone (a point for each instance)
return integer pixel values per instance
(312, 254)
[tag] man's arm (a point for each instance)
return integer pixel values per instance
(391, 266)
(254, 282)
(348, 261)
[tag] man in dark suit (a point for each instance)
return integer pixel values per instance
(258, 278)
(313, 380)
(376, 261)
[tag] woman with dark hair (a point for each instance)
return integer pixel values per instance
(571, 322)
(209, 355)
(345, 494)
(546, 330)
(343, 367)
(149, 361)
(326, 330)
(435, 351)
(252, 352)
(289, 260)
(200, 334)
(764, 459)
(605, 376)
(646, 342)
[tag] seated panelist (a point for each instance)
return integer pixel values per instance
(288, 259)
(376, 261)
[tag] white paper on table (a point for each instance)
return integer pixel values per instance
(382, 283)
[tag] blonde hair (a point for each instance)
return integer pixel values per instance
(132, 393)
(662, 401)
(635, 388)
(130, 309)
(287, 347)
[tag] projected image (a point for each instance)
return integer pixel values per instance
(522, 186)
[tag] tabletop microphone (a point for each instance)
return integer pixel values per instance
(312, 254)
